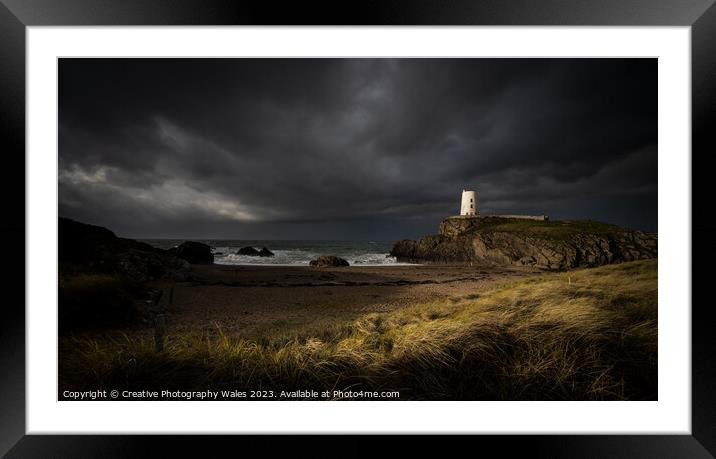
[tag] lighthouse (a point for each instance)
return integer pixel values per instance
(468, 205)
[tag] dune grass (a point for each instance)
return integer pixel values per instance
(589, 334)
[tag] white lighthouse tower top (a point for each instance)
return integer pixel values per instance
(468, 206)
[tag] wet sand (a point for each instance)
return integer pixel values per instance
(243, 300)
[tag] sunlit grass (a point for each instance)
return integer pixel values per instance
(589, 334)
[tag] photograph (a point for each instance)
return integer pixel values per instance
(357, 228)
(329, 227)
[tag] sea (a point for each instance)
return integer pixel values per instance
(293, 253)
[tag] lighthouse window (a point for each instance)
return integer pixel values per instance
(470, 206)
(470, 200)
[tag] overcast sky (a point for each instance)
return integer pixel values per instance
(376, 149)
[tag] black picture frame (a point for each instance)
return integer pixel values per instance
(16, 15)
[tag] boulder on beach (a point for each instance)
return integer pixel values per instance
(250, 251)
(193, 252)
(264, 252)
(328, 261)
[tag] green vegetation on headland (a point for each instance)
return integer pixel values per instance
(587, 334)
(547, 228)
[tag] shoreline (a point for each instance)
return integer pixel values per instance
(245, 300)
(287, 265)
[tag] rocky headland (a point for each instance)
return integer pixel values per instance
(552, 245)
(90, 248)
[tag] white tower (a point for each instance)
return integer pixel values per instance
(469, 203)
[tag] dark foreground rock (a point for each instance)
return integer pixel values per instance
(264, 252)
(195, 253)
(328, 261)
(554, 245)
(96, 249)
(102, 277)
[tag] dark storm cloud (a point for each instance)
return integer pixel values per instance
(352, 148)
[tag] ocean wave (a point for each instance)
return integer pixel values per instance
(227, 256)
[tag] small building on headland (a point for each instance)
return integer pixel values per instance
(468, 209)
(468, 205)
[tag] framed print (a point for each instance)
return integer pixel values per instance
(424, 219)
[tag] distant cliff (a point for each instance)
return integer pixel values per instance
(554, 245)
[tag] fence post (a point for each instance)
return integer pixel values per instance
(160, 319)
(160, 328)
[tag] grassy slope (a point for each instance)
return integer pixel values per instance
(586, 334)
(558, 229)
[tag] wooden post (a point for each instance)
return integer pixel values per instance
(160, 319)
(160, 328)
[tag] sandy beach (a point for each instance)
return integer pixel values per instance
(242, 300)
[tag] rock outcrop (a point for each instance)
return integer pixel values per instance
(249, 251)
(96, 249)
(103, 279)
(554, 245)
(328, 261)
(195, 253)
(252, 252)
